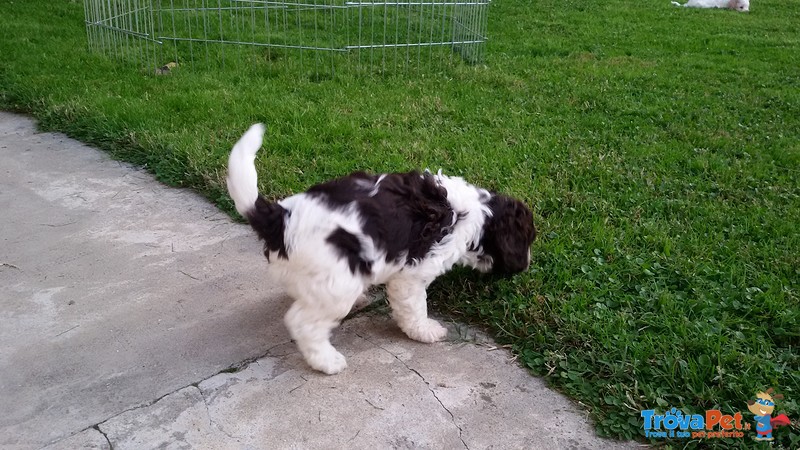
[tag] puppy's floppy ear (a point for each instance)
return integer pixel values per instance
(509, 234)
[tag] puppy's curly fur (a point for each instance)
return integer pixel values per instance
(330, 243)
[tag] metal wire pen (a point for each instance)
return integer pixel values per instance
(310, 36)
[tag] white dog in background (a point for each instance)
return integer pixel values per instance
(739, 5)
(330, 243)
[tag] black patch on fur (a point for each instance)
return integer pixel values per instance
(406, 215)
(508, 234)
(349, 247)
(343, 191)
(268, 220)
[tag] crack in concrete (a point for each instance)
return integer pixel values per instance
(452, 416)
(212, 423)
(110, 445)
(427, 384)
(352, 438)
(230, 369)
(241, 365)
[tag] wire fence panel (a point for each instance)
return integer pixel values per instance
(315, 37)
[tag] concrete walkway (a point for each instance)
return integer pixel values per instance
(137, 316)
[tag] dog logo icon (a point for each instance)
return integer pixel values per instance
(762, 408)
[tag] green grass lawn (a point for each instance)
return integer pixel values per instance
(658, 146)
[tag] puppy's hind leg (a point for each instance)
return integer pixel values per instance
(408, 300)
(317, 310)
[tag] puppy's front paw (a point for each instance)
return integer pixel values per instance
(329, 362)
(427, 331)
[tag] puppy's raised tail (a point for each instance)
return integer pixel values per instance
(677, 4)
(266, 218)
(242, 177)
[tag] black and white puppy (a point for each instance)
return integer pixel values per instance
(330, 243)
